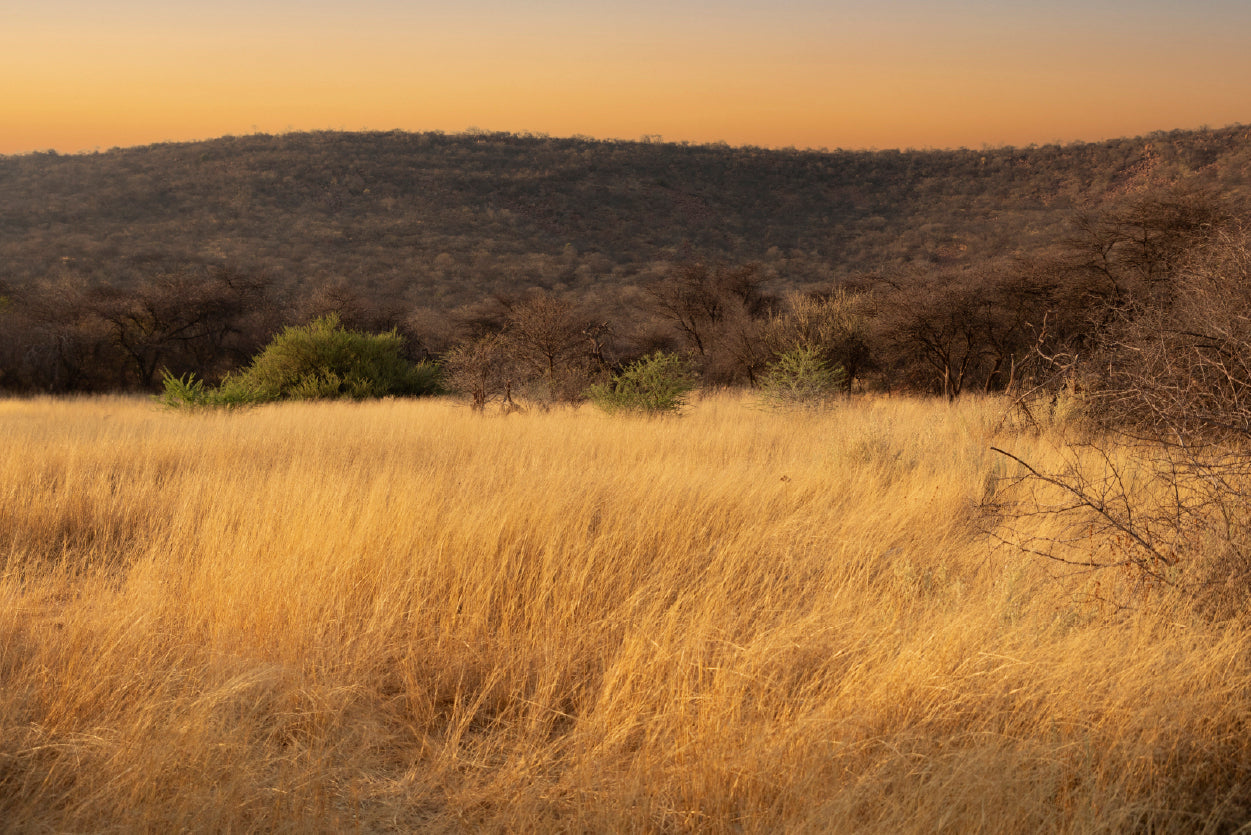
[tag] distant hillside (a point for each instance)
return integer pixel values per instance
(439, 220)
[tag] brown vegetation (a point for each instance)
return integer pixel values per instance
(674, 247)
(992, 326)
(1160, 459)
(1009, 613)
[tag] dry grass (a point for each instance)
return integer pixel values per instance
(399, 616)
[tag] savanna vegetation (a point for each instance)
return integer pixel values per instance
(586, 256)
(712, 539)
(392, 616)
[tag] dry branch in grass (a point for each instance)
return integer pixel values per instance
(1169, 466)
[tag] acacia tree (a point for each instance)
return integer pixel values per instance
(740, 352)
(691, 299)
(1182, 369)
(481, 368)
(183, 321)
(1123, 262)
(935, 328)
(543, 347)
(1129, 252)
(58, 340)
(951, 331)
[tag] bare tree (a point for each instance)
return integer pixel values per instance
(548, 338)
(690, 298)
(937, 327)
(185, 321)
(60, 343)
(1127, 252)
(481, 368)
(541, 347)
(720, 315)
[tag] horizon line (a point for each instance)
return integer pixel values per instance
(644, 139)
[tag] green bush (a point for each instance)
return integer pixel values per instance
(183, 392)
(318, 361)
(656, 384)
(802, 378)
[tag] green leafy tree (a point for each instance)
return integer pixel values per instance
(657, 384)
(318, 361)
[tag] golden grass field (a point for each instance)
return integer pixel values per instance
(402, 616)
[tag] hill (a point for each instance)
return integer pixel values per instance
(586, 255)
(443, 220)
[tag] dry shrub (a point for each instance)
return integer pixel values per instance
(1167, 473)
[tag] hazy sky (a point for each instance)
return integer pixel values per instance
(82, 74)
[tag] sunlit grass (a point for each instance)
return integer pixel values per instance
(401, 615)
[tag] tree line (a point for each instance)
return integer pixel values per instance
(940, 329)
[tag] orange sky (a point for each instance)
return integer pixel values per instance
(844, 73)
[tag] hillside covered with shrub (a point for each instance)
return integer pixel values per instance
(586, 255)
(447, 219)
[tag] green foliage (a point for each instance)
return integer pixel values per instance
(657, 384)
(318, 361)
(323, 360)
(183, 392)
(802, 378)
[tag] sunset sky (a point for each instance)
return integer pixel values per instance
(83, 75)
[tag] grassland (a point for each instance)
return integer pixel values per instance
(401, 616)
